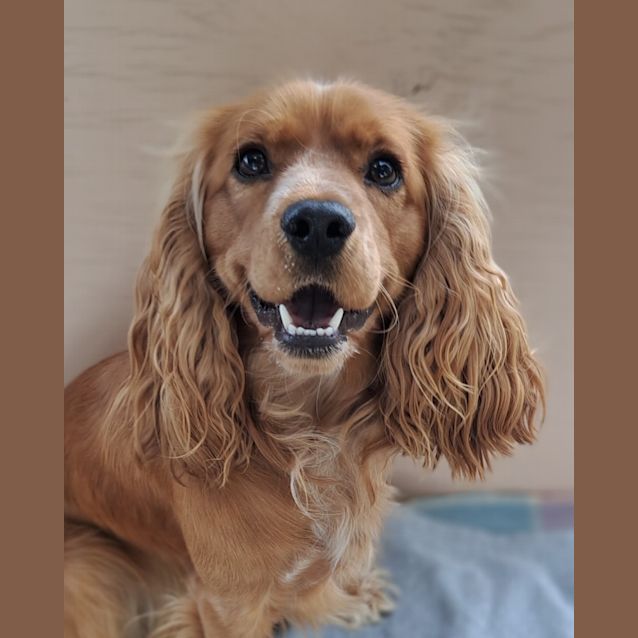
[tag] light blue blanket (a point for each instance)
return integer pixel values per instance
(476, 567)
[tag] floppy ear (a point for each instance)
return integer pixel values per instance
(461, 380)
(186, 385)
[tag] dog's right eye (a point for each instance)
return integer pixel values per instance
(252, 162)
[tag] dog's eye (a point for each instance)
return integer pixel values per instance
(384, 172)
(252, 162)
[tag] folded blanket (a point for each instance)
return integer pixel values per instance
(476, 566)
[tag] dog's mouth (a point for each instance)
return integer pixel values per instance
(312, 323)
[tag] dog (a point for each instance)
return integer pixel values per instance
(319, 298)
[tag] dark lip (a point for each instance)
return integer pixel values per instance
(302, 345)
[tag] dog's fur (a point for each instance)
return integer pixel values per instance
(217, 485)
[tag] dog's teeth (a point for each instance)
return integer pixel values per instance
(286, 319)
(336, 319)
(293, 330)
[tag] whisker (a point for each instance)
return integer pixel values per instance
(400, 280)
(395, 313)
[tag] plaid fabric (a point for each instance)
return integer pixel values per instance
(477, 565)
(500, 513)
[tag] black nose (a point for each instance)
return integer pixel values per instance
(317, 229)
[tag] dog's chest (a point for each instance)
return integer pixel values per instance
(344, 516)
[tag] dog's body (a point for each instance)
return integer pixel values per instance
(320, 297)
(263, 559)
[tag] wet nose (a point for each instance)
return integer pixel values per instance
(317, 229)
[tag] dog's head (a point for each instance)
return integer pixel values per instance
(311, 211)
(319, 220)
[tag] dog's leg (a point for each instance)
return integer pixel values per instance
(360, 603)
(199, 614)
(108, 593)
(179, 618)
(104, 591)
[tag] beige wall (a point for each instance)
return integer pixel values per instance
(505, 67)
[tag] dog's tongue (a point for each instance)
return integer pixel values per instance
(312, 307)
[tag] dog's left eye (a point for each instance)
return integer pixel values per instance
(384, 172)
(252, 162)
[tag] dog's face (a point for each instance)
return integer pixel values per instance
(315, 216)
(338, 219)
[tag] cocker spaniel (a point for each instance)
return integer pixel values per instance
(319, 297)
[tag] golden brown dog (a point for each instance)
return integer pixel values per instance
(319, 297)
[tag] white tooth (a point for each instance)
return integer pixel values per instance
(291, 329)
(336, 319)
(311, 332)
(300, 330)
(321, 332)
(329, 331)
(286, 319)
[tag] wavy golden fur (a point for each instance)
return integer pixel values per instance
(220, 479)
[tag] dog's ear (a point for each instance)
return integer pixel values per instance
(186, 385)
(460, 379)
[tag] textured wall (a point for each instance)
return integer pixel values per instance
(136, 67)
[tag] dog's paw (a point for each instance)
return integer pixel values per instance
(380, 593)
(370, 600)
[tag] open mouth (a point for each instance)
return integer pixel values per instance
(311, 323)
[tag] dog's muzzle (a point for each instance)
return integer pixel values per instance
(311, 323)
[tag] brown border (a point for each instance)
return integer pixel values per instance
(606, 372)
(605, 363)
(31, 238)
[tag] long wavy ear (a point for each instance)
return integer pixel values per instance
(460, 378)
(185, 391)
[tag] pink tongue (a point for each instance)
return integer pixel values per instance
(312, 307)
